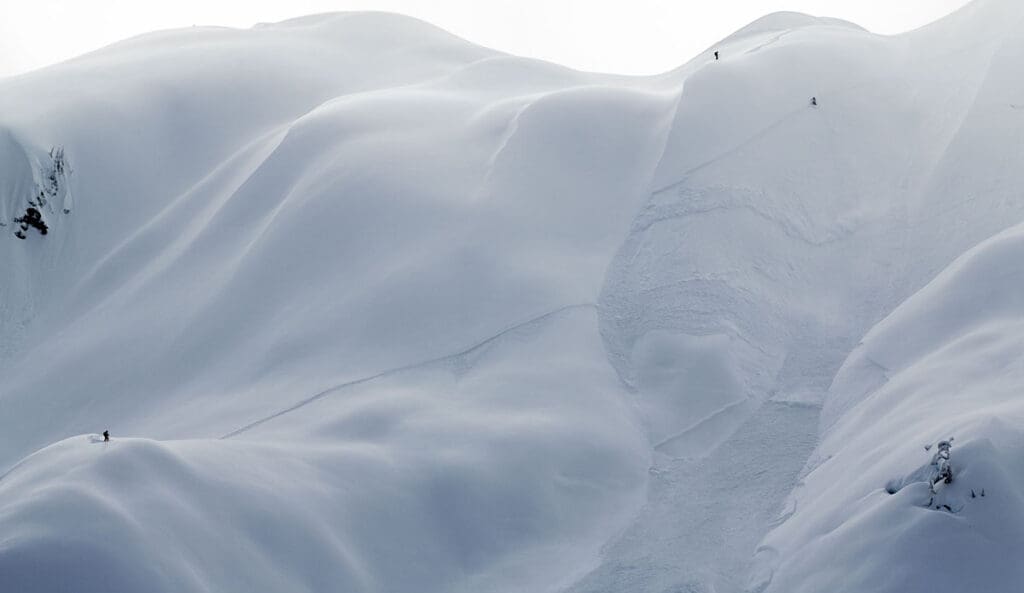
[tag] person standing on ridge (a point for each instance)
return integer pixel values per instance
(106, 436)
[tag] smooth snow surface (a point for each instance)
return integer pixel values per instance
(369, 308)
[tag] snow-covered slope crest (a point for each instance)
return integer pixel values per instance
(949, 362)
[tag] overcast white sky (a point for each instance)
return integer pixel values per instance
(629, 37)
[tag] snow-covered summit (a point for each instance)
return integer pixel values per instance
(368, 307)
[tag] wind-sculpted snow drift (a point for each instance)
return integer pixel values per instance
(369, 308)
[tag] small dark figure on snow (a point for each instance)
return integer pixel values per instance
(716, 54)
(106, 436)
(814, 101)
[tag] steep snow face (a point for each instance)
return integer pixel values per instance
(788, 230)
(368, 307)
(946, 363)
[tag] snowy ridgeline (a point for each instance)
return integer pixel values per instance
(369, 308)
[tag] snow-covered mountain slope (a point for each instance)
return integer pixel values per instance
(949, 362)
(367, 307)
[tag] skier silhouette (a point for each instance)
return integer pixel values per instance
(814, 101)
(106, 436)
(716, 54)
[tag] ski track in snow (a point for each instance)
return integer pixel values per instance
(685, 175)
(437, 360)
